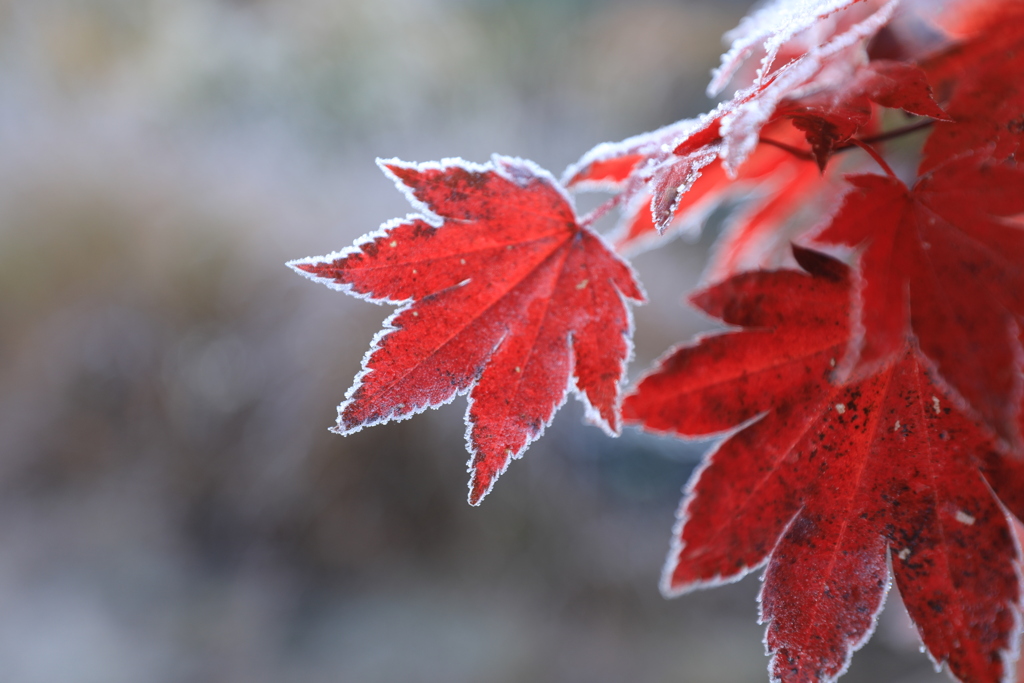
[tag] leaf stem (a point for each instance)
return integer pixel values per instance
(876, 156)
(600, 211)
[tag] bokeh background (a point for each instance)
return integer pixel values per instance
(172, 507)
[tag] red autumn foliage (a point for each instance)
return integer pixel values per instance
(515, 306)
(870, 402)
(824, 478)
(919, 249)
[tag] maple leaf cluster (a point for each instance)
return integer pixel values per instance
(870, 392)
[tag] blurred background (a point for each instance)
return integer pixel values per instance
(172, 506)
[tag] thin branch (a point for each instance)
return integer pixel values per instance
(898, 132)
(795, 151)
(853, 142)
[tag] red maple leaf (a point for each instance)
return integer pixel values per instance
(821, 482)
(986, 92)
(775, 31)
(504, 297)
(776, 185)
(832, 117)
(827, 64)
(830, 112)
(826, 89)
(941, 260)
(769, 171)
